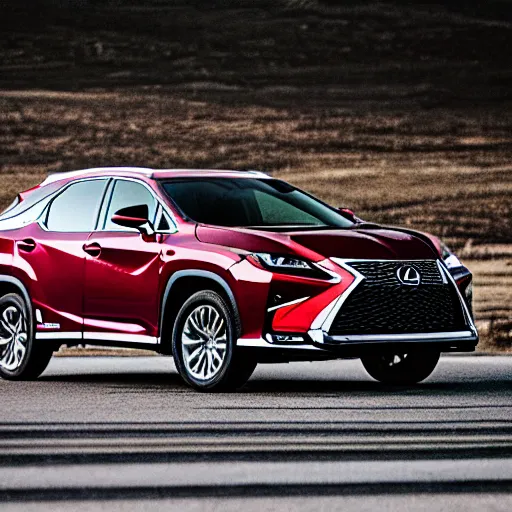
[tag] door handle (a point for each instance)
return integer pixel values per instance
(93, 249)
(26, 245)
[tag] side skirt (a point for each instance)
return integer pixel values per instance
(73, 339)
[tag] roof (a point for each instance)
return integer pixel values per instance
(182, 173)
(151, 173)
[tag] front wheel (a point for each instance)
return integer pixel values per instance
(20, 357)
(204, 345)
(401, 369)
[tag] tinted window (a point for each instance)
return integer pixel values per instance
(13, 205)
(31, 198)
(26, 217)
(250, 202)
(274, 210)
(164, 224)
(76, 209)
(129, 193)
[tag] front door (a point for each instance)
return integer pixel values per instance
(122, 272)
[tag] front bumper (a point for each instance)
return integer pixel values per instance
(318, 337)
(357, 346)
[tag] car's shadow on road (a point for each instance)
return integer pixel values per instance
(163, 381)
(341, 386)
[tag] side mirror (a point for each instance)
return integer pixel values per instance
(348, 214)
(135, 217)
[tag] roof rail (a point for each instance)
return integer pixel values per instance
(57, 176)
(255, 172)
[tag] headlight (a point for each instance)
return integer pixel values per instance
(273, 261)
(292, 265)
(450, 260)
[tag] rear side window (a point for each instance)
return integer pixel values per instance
(13, 205)
(32, 198)
(125, 194)
(76, 209)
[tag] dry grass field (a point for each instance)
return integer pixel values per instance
(401, 112)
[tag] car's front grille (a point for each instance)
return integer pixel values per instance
(382, 304)
(385, 272)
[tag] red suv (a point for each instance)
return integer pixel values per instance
(223, 270)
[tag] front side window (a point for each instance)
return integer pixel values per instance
(76, 209)
(248, 202)
(125, 194)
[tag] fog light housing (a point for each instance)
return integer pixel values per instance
(285, 339)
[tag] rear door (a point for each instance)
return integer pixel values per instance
(49, 256)
(122, 272)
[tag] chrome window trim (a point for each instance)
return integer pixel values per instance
(104, 203)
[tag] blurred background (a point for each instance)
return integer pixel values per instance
(399, 110)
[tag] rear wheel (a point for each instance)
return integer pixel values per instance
(204, 345)
(409, 368)
(20, 357)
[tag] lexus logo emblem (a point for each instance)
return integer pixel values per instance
(408, 275)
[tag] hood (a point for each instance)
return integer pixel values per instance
(356, 243)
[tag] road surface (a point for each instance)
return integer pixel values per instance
(125, 433)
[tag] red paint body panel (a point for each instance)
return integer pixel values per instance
(297, 318)
(121, 284)
(316, 246)
(254, 241)
(251, 289)
(365, 244)
(54, 274)
(6, 254)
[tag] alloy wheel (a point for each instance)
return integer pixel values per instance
(204, 342)
(13, 337)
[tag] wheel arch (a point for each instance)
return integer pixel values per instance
(9, 284)
(183, 284)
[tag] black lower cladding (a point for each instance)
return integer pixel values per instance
(375, 308)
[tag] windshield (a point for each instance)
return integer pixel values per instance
(248, 202)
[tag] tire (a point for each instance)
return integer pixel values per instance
(401, 369)
(21, 358)
(204, 345)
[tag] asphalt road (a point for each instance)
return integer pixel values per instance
(125, 433)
